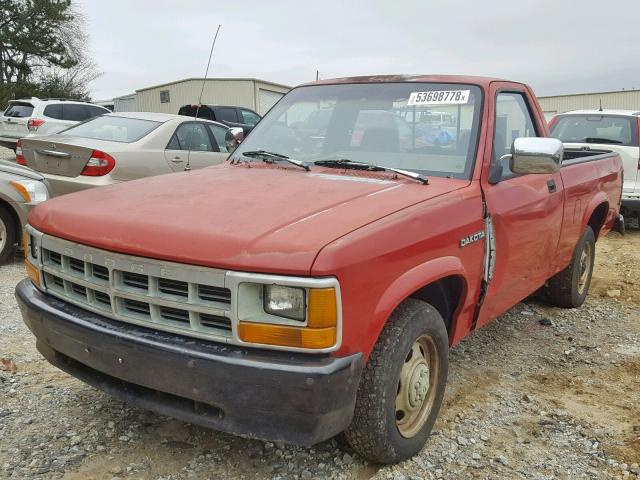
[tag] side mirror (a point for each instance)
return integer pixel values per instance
(233, 138)
(536, 155)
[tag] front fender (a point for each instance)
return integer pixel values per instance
(413, 280)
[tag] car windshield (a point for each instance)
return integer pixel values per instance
(604, 129)
(428, 128)
(113, 128)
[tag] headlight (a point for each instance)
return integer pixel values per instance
(300, 317)
(33, 191)
(287, 302)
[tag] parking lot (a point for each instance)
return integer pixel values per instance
(7, 154)
(541, 393)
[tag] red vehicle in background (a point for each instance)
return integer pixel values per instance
(314, 283)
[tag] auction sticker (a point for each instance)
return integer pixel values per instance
(439, 97)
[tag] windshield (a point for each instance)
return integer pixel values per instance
(616, 130)
(112, 128)
(427, 128)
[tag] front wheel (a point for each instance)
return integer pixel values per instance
(569, 287)
(7, 235)
(402, 385)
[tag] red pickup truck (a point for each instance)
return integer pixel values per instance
(314, 283)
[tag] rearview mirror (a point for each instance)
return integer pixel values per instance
(536, 155)
(233, 138)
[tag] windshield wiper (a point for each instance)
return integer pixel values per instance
(346, 163)
(601, 140)
(271, 157)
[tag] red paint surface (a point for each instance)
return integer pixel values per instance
(383, 238)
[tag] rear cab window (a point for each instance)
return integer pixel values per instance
(594, 128)
(226, 114)
(249, 117)
(113, 128)
(191, 110)
(19, 110)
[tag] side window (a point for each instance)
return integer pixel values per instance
(249, 117)
(73, 112)
(53, 111)
(226, 115)
(513, 120)
(191, 136)
(93, 111)
(219, 134)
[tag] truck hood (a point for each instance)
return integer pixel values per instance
(258, 219)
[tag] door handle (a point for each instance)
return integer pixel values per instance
(177, 160)
(551, 185)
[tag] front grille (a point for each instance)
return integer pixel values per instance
(100, 272)
(102, 298)
(76, 265)
(135, 280)
(173, 287)
(214, 294)
(54, 258)
(172, 297)
(136, 307)
(174, 314)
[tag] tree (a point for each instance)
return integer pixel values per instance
(42, 49)
(32, 35)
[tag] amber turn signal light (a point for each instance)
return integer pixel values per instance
(320, 332)
(285, 336)
(32, 272)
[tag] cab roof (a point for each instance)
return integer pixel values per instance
(606, 111)
(474, 80)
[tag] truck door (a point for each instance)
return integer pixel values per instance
(524, 211)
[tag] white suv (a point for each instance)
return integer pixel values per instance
(35, 116)
(617, 130)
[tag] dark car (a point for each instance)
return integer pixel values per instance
(230, 116)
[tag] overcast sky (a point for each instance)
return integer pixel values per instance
(560, 46)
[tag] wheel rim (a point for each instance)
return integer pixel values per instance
(585, 268)
(417, 386)
(3, 235)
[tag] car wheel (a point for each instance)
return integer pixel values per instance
(402, 385)
(7, 235)
(569, 288)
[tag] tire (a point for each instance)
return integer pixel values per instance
(569, 288)
(8, 238)
(384, 429)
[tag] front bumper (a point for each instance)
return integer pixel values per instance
(280, 396)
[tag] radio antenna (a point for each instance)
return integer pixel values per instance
(204, 81)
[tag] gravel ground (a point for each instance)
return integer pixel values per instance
(541, 393)
(7, 154)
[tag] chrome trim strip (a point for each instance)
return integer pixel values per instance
(54, 153)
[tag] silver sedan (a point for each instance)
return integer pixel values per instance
(123, 146)
(20, 189)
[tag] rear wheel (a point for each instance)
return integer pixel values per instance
(569, 287)
(402, 386)
(8, 229)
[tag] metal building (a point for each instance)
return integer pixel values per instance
(254, 94)
(125, 103)
(622, 99)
